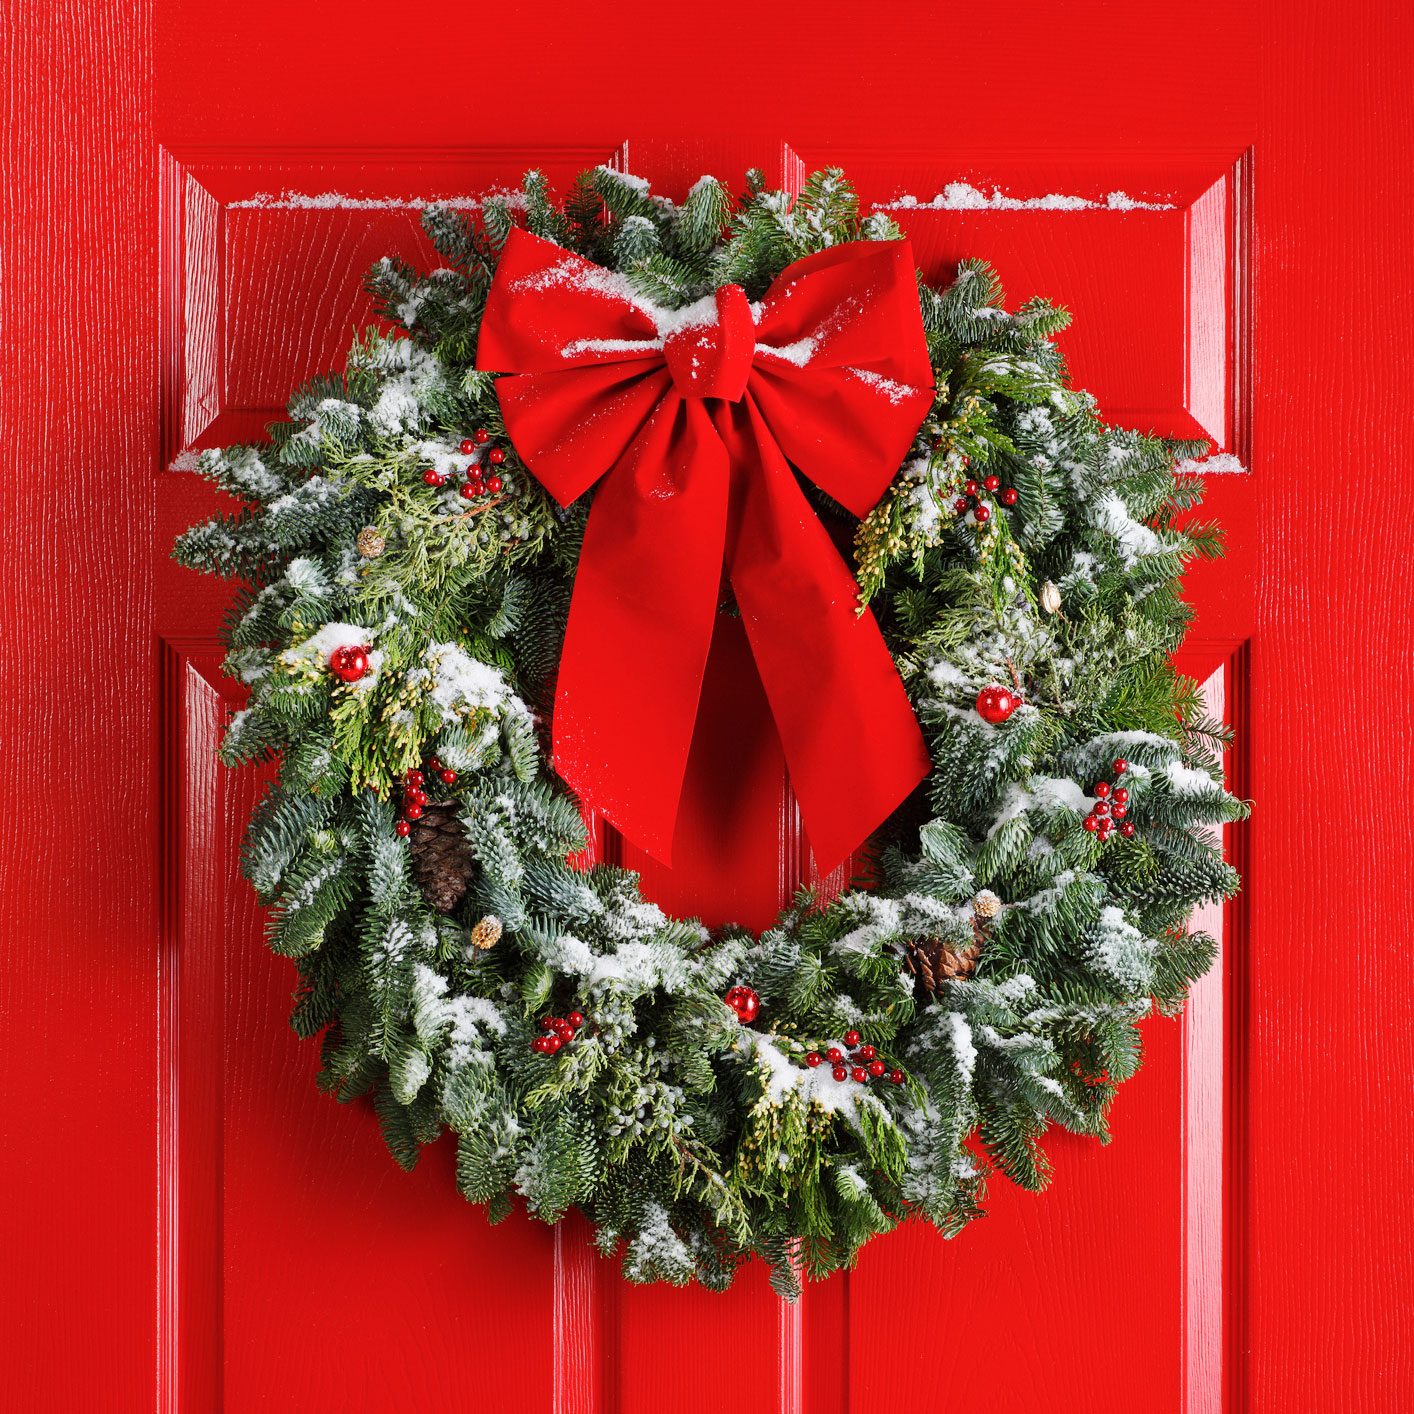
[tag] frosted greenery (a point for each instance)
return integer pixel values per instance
(690, 1140)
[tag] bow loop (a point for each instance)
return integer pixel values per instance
(697, 419)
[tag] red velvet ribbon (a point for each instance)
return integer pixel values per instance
(694, 419)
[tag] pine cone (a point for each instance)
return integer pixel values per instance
(442, 862)
(371, 542)
(986, 904)
(934, 962)
(486, 933)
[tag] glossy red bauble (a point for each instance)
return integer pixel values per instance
(996, 704)
(851, 1038)
(960, 505)
(1009, 496)
(496, 456)
(834, 1055)
(971, 488)
(402, 829)
(1127, 829)
(877, 1068)
(470, 490)
(839, 1072)
(867, 1053)
(447, 777)
(1120, 795)
(992, 482)
(859, 1074)
(1120, 766)
(413, 778)
(412, 811)
(349, 664)
(1101, 790)
(481, 436)
(433, 477)
(744, 1001)
(494, 484)
(981, 515)
(812, 1059)
(467, 447)
(1091, 823)
(896, 1076)
(575, 1019)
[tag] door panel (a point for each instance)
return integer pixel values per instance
(188, 1225)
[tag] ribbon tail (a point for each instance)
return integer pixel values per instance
(640, 625)
(852, 743)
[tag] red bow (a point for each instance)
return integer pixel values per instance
(697, 415)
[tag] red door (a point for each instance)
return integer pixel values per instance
(192, 192)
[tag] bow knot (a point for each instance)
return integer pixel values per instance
(710, 355)
(697, 421)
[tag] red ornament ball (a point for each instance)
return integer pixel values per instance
(1100, 809)
(402, 829)
(996, 704)
(971, 488)
(496, 456)
(447, 777)
(481, 436)
(1091, 823)
(812, 1059)
(433, 477)
(867, 1053)
(1119, 812)
(468, 446)
(575, 1019)
(434, 763)
(416, 796)
(471, 490)
(859, 1074)
(1009, 496)
(1127, 829)
(550, 1044)
(960, 505)
(1121, 795)
(1120, 766)
(547, 1023)
(896, 1076)
(494, 484)
(412, 810)
(834, 1055)
(877, 1068)
(565, 1031)
(414, 778)
(851, 1038)
(349, 664)
(744, 1001)
(981, 515)
(839, 1072)
(992, 482)
(1101, 790)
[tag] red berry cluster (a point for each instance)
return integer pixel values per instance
(559, 1031)
(971, 499)
(415, 793)
(477, 484)
(745, 1002)
(861, 1065)
(349, 663)
(1110, 807)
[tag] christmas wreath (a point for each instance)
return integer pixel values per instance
(427, 566)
